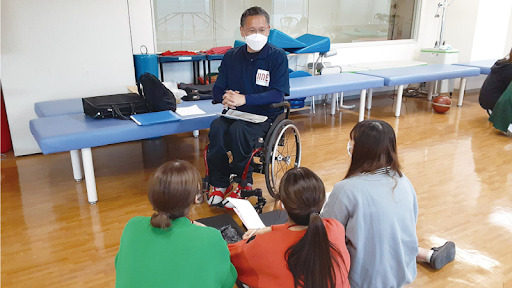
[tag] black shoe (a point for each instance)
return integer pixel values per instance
(442, 255)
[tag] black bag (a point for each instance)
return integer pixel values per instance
(158, 97)
(119, 106)
(197, 92)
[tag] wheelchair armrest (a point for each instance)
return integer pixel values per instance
(284, 104)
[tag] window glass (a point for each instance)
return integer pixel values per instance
(203, 24)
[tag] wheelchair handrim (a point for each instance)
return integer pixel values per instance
(274, 151)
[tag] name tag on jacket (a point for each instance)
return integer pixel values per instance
(262, 78)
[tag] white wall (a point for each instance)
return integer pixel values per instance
(142, 25)
(61, 49)
(491, 36)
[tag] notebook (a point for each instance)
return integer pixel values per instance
(239, 115)
(155, 118)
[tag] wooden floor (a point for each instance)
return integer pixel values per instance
(460, 166)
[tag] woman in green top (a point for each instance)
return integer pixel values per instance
(167, 249)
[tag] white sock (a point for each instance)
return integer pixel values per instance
(429, 255)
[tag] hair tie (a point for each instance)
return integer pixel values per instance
(315, 212)
(163, 213)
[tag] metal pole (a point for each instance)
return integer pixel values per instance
(443, 18)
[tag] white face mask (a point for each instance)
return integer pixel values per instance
(256, 41)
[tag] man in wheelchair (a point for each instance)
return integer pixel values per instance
(251, 78)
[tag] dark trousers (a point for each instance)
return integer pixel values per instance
(236, 136)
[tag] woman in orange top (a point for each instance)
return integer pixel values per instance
(305, 252)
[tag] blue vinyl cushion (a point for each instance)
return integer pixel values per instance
(314, 43)
(484, 65)
(331, 83)
(282, 40)
(77, 131)
(416, 74)
(59, 107)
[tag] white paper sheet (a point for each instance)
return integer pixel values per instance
(191, 110)
(244, 210)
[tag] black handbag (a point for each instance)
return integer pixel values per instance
(119, 106)
(159, 98)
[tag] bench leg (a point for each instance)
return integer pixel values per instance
(461, 91)
(370, 97)
(361, 105)
(338, 105)
(430, 91)
(90, 180)
(399, 100)
(313, 104)
(195, 133)
(77, 165)
(334, 99)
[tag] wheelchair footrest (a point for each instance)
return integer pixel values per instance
(258, 206)
(250, 193)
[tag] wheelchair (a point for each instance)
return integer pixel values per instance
(278, 152)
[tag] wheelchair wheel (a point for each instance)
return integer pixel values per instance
(282, 154)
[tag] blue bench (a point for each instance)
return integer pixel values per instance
(62, 126)
(416, 74)
(334, 83)
(76, 132)
(483, 65)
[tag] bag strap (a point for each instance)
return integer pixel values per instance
(140, 88)
(118, 112)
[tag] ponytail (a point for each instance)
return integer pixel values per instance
(160, 220)
(312, 260)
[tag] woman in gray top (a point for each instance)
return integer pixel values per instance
(377, 205)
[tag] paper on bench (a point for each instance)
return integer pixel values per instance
(247, 214)
(239, 115)
(188, 111)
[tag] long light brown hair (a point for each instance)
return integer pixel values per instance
(374, 148)
(507, 59)
(172, 189)
(312, 260)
